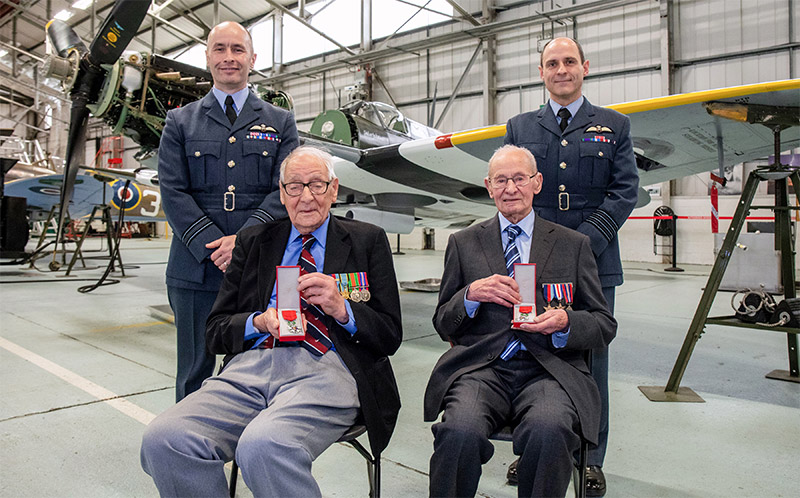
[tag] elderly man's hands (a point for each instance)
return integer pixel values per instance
(548, 322)
(498, 289)
(321, 290)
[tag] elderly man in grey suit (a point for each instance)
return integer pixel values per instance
(531, 376)
(218, 164)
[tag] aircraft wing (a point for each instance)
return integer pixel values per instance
(439, 180)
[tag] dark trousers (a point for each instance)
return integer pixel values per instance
(518, 392)
(195, 364)
(597, 454)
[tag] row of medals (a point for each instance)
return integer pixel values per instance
(356, 295)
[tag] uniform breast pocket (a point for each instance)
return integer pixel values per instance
(259, 160)
(539, 151)
(596, 158)
(203, 159)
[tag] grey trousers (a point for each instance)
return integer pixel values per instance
(597, 454)
(275, 410)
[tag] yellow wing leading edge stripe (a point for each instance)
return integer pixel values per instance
(704, 96)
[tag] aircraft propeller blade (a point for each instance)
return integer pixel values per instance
(113, 38)
(117, 31)
(63, 38)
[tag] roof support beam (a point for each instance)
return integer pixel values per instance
(308, 25)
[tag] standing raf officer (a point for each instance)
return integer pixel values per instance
(585, 154)
(218, 166)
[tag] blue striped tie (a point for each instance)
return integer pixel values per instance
(316, 340)
(512, 256)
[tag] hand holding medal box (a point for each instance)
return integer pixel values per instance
(525, 276)
(288, 303)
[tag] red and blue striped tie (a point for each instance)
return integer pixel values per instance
(316, 339)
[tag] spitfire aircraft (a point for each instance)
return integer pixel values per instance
(393, 171)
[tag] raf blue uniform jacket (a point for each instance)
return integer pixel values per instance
(590, 179)
(217, 178)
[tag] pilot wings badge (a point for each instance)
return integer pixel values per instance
(598, 129)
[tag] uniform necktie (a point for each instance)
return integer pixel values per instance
(229, 110)
(564, 114)
(316, 339)
(512, 256)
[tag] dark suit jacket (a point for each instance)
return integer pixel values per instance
(201, 155)
(599, 176)
(561, 255)
(352, 246)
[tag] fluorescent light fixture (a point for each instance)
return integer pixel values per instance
(64, 15)
(82, 4)
(3, 52)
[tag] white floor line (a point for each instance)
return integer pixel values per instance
(101, 393)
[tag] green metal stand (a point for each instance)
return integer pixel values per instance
(779, 173)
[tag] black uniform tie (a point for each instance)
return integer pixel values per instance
(231, 112)
(564, 114)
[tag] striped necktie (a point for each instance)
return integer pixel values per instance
(512, 256)
(316, 339)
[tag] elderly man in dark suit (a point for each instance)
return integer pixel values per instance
(277, 405)
(531, 376)
(586, 156)
(218, 166)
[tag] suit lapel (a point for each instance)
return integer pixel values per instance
(337, 248)
(547, 120)
(582, 119)
(492, 245)
(252, 106)
(214, 110)
(542, 241)
(270, 256)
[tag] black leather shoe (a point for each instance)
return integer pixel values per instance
(595, 481)
(511, 475)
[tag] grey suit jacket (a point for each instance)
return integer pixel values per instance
(590, 168)
(203, 161)
(561, 255)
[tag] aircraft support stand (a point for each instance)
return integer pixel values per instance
(105, 216)
(673, 392)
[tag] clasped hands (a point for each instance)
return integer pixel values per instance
(318, 289)
(503, 290)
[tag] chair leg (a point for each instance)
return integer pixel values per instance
(377, 477)
(234, 476)
(579, 475)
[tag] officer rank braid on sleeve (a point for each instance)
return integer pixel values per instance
(604, 223)
(195, 228)
(262, 215)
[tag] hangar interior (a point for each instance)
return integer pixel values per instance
(80, 382)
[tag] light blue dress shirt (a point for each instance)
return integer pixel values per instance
(523, 242)
(572, 108)
(290, 257)
(239, 98)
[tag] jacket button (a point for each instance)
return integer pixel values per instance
(600, 153)
(563, 165)
(265, 153)
(490, 356)
(197, 153)
(562, 188)
(232, 140)
(231, 163)
(564, 143)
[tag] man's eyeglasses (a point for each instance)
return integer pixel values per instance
(501, 182)
(295, 189)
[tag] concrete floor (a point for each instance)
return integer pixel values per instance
(83, 373)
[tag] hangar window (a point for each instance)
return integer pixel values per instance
(339, 20)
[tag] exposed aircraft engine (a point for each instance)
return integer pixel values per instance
(389, 221)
